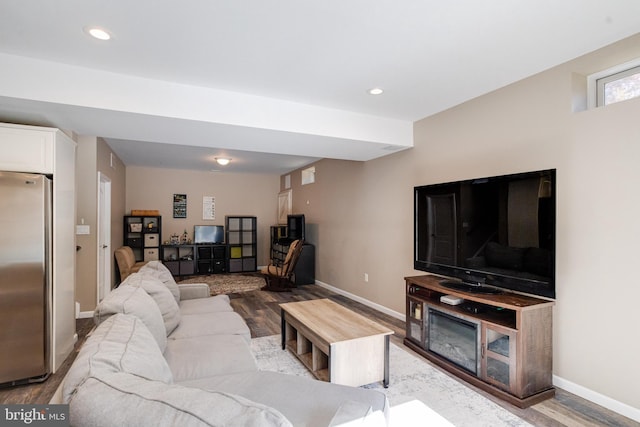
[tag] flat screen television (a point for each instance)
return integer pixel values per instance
(498, 231)
(208, 234)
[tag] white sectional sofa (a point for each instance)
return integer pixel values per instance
(165, 355)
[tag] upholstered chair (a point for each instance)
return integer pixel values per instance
(126, 261)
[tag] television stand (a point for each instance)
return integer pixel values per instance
(500, 343)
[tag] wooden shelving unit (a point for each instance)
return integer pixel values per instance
(315, 359)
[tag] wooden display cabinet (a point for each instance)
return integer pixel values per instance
(513, 333)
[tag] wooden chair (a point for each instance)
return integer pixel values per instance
(279, 277)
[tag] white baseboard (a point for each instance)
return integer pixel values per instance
(364, 301)
(84, 314)
(578, 390)
(597, 398)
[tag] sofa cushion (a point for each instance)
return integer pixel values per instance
(161, 295)
(214, 304)
(133, 300)
(122, 343)
(221, 323)
(194, 291)
(283, 391)
(203, 357)
(120, 399)
(160, 271)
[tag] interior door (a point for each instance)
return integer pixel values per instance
(441, 248)
(104, 236)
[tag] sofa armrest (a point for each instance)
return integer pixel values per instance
(194, 290)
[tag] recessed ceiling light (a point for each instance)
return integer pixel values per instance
(98, 33)
(376, 91)
(222, 161)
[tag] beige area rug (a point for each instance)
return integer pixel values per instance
(411, 378)
(229, 283)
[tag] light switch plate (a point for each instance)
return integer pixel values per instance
(83, 229)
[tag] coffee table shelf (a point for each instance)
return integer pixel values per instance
(310, 355)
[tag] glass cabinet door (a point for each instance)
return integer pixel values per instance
(498, 355)
(415, 325)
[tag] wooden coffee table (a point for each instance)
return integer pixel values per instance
(336, 344)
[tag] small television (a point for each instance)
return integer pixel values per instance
(295, 227)
(208, 234)
(498, 231)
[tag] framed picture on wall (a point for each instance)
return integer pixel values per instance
(208, 208)
(179, 205)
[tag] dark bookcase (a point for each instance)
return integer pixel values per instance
(143, 234)
(242, 243)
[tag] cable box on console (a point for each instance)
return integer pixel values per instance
(451, 299)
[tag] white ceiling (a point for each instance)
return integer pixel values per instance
(277, 84)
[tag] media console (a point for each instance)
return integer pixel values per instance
(499, 342)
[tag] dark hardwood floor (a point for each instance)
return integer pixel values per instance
(261, 311)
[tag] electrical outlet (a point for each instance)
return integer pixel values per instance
(366, 277)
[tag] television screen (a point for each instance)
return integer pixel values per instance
(295, 227)
(211, 234)
(497, 231)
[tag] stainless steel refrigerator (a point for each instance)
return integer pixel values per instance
(25, 276)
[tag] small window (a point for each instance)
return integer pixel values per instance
(619, 87)
(615, 84)
(309, 175)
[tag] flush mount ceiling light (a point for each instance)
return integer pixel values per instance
(375, 91)
(222, 161)
(97, 33)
